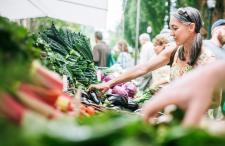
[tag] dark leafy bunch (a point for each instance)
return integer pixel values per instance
(68, 53)
(16, 53)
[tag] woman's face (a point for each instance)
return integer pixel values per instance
(180, 31)
(221, 35)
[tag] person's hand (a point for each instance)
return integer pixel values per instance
(192, 93)
(102, 87)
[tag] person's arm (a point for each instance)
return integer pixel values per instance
(154, 63)
(192, 93)
(160, 60)
(218, 73)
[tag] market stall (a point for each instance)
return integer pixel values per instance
(35, 110)
(94, 12)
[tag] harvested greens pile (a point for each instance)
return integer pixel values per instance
(16, 53)
(26, 86)
(68, 53)
(29, 115)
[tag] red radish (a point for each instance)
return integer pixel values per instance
(32, 100)
(47, 95)
(45, 77)
(11, 108)
(54, 98)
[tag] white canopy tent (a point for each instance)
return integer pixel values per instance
(86, 12)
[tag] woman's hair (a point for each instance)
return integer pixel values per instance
(162, 39)
(189, 15)
(123, 46)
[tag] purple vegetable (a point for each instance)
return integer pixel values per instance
(106, 78)
(130, 88)
(119, 91)
(102, 76)
(121, 84)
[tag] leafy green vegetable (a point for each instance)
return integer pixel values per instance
(68, 53)
(16, 53)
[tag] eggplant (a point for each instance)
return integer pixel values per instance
(122, 101)
(84, 94)
(118, 100)
(90, 95)
(86, 100)
(93, 96)
(132, 105)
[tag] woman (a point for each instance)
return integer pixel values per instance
(124, 58)
(161, 76)
(185, 26)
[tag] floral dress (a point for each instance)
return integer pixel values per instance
(178, 69)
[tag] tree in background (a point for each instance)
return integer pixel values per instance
(39, 24)
(153, 13)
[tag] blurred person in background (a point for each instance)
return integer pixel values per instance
(217, 41)
(101, 51)
(124, 59)
(216, 45)
(146, 53)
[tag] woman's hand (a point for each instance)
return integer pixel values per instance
(102, 87)
(192, 93)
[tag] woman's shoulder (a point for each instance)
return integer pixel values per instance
(206, 56)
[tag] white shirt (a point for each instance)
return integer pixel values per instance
(125, 60)
(146, 53)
